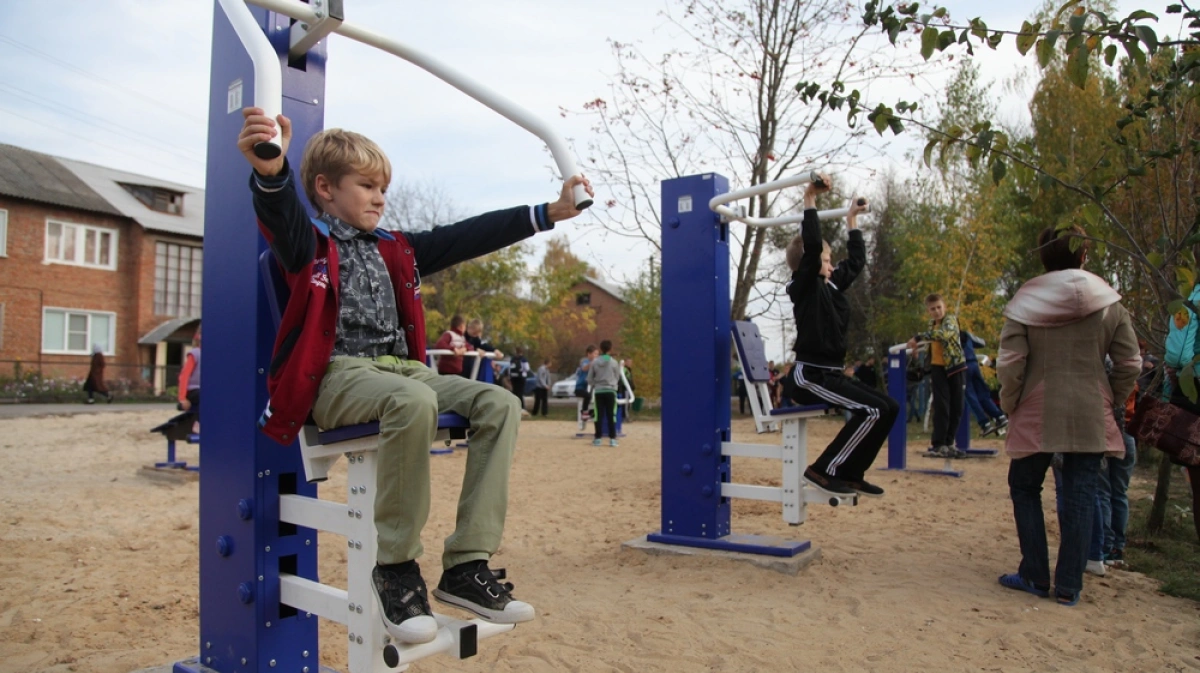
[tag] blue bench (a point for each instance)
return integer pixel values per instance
(321, 448)
(795, 493)
(179, 428)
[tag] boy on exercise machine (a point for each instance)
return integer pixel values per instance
(348, 351)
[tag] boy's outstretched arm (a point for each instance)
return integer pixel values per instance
(281, 215)
(848, 269)
(809, 268)
(445, 246)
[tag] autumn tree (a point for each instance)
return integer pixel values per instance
(726, 103)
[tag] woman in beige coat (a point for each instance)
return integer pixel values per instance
(1053, 385)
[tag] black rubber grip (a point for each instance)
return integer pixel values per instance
(267, 151)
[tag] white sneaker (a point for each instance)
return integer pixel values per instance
(1096, 568)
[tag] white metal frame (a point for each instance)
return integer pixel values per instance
(432, 355)
(728, 214)
(794, 494)
(370, 646)
(268, 80)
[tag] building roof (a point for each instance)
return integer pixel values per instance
(610, 289)
(107, 182)
(57, 181)
(164, 331)
(40, 177)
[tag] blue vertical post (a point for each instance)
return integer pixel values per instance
(898, 390)
(962, 439)
(696, 342)
(243, 546)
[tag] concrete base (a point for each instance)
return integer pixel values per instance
(193, 663)
(170, 475)
(790, 565)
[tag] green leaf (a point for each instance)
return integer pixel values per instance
(1185, 276)
(998, 170)
(1175, 306)
(1142, 15)
(945, 39)
(1110, 54)
(929, 38)
(1135, 52)
(1075, 243)
(1174, 9)
(1187, 382)
(929, 152)
(994, 39)
(1077, 66)
(939, 12)
(1148, 37)
(895, 125)
(1091, 214)
(1155, 259)
(1028, 36)
(1045, 48)
(1075, 23)
(880, 121)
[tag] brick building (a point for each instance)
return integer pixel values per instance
(92, 256)
(608, 305)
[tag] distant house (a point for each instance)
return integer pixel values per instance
(93, 256)
(608, 306)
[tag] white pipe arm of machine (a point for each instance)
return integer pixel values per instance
(270, 100)
(717, 203)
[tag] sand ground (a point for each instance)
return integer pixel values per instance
(98, 569)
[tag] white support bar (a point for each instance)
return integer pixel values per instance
(309, 596)
(433, 354)
(794, 461)
(268, 77)
(305, 36)
(319, 514)
(300, 11)
(717, 203)
(751, 450)
(450, 632)
(799, 413)
(749, 492)
(814, 495)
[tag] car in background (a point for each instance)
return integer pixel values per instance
(564, 388)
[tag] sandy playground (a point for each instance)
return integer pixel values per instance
(98, 569)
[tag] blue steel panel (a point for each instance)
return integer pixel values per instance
(242, 544)
(897, 385)
(962, 439)
(764, 545)
(695, 365)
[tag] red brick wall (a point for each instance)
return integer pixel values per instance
(609, 314)
(27, 284)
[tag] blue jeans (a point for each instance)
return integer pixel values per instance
(1026, 475)
(1112, 498)
(979, 398)
(918, 400)
(1096, 546)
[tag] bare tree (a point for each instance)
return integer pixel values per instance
(727, 103)
(419, 206)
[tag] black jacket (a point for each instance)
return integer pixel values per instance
(819, 307)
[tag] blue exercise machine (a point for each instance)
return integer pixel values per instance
(259, 594)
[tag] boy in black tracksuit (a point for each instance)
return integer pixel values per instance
(822, 317)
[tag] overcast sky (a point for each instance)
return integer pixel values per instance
(123, 83)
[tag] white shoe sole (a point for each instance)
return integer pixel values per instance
(412, 631)
(513, 613)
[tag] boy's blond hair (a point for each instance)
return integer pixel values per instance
(336, 153)
(795, 250)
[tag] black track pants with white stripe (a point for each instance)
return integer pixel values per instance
(872, 414)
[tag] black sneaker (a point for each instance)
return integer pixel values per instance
(864, 487)
(827, 484)
(988, 428)
(475, 587)
(404, 603)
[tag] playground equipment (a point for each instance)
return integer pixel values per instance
(625, 400)
(258, 508)
(898, 437)
(178, 428)
(696, 335)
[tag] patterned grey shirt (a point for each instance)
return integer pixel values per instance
(368, 321)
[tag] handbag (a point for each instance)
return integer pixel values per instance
(1169, 428)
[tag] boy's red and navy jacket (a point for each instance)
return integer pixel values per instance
(308, 327)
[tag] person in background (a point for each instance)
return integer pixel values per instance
(1059, 399)
(604, 377)
(95, 378)
(475, 342)
(189, 379)
(541, 392)
(518, 372)
(581, 380)
(453, 339)
(947, 367)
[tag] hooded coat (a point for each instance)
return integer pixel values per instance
(1053, 384)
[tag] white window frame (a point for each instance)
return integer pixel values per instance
(3, 233)
(67, 313)
(80, 238)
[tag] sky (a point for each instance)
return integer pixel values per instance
(123, 83)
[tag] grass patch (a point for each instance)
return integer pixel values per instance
(1172, 556)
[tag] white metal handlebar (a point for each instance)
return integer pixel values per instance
(717, 203)
(268, 89)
